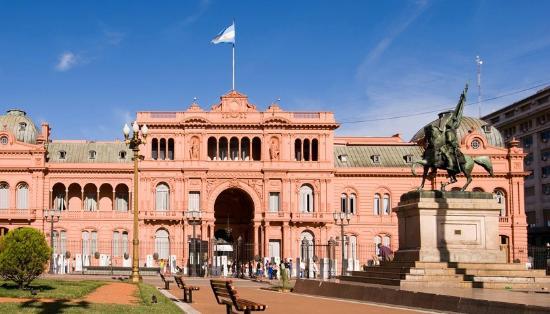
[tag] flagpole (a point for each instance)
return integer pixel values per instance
(233, 67)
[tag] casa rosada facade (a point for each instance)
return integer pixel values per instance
(267, 180)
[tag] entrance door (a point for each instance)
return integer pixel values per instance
(275, 250)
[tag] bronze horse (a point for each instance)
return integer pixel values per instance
(432, 159)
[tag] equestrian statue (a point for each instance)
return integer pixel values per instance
(442, 149)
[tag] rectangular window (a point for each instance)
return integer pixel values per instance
(546, 189)
(93, 243)
(527, 141)
(529, 191)
(63, 242)
(194, 201)
(545, 135)
(531, 219)
(273, 202)
(545, 172)
(546, 214)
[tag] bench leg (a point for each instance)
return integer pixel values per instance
(228, 308)
(166, 285)
(190, 296)
(184, 296)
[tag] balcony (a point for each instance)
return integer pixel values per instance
(311, 217)
(503, 219)
(161, 215)
(95, 215)
(17, 214)
(276, 216)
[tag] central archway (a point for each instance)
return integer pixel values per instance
(234, 214)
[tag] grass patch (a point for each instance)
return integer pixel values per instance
(144, 293)
(50, 289)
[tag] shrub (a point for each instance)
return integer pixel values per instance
(23, 255)
(285, 282)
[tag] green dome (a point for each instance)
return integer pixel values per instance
(493, 136)
(20, 125)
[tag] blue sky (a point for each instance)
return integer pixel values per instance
(87, 67)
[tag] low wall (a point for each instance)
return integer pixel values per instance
(395, 296)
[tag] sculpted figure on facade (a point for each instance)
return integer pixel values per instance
(194, 150)
(274, 149)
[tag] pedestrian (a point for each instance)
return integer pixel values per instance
(205, 269)
(161, 266)
(302, 268)
(289, 268)
(314, 270)
(386, 254)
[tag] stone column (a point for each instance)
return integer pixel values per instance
(286, 240)
(255, 239)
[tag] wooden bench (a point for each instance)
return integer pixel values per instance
(187, 289)
(226, 294)
(166, 282)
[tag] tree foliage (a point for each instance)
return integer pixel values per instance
(23, 255)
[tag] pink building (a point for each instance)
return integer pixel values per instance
(269, 181)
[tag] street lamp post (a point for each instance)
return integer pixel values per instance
(194, 217)
(52, 216)
(133, 143)
(341, 219)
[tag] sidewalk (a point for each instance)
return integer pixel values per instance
(205, 302)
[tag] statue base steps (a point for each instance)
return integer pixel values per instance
(452, 275)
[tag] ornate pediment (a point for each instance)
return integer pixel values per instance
(234, 102)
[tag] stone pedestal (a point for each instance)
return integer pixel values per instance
(437, 226)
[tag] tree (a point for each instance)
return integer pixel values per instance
(23, 255)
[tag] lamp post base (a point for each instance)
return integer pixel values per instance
(135, 277)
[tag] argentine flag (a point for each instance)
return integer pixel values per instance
(226, 36)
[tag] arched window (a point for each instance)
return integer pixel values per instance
(501, 200)
(222, 150)
(124, 242)
(155, 149)
(245, 148)
(212, 148)
(386, 204)
(234, 148)
(162, 244)
(23, 196)
(4, 195)
(306, 243)
(162, 197)
(59, 201)
(344, 203)
(162, 149)
(352, 203)
(298, 150)
(376, 205)
(92, 154)
(314, 149)
(90, 201)
(86, 244)
(306, 199)
(306, 149)
(256, 149)
(116, 243)
(121, 198)
(171, 149)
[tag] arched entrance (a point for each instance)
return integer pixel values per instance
(233, 231)
(233, 213)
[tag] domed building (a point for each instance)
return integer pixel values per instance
(267, 184)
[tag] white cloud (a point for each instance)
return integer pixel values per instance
(67, 60)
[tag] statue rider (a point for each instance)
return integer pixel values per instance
(448, 124)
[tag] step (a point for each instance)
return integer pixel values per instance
(508, 279)
(501, 272)
(501, 266)
(508, 285)
(385, 269)
(435, 284)
(374, 274)
(373, 280)
(412, 277)
(433, 271)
